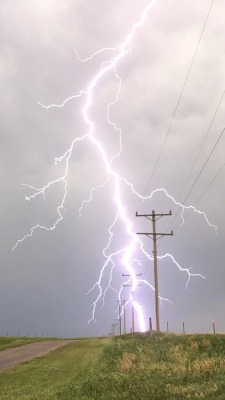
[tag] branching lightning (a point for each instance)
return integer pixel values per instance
(126, 254)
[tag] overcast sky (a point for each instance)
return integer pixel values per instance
(45, 280)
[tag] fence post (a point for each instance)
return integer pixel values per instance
(150, 324)
(214, 329)
(183, 329)
(167, 326)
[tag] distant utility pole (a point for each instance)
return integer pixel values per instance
(114, 329)
(124, 316)
(155, 236)
(132, 298)
(113, 333)
(117, 325)
(120, 311)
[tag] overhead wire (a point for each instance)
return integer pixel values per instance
(204, 165)
(180, 97)
(179, 100)
(202, 145)
(210, 184)
(199, 174)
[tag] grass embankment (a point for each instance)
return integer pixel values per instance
(135, 367)
(9, 342)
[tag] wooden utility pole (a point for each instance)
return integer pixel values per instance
(124, 316)
(113, 329)
(132, 309)
(120, 322)
(132, 299)
(114, 326)
(155, 236)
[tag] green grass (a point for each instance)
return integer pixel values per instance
(9, 342)
(54, 376)
(133, 367)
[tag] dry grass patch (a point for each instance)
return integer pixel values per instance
(127, 361)
(192, 391)
(194, 346)
(206, 343)
(208, 365)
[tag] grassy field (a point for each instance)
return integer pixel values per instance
(136, 367)
(55, 376)
(8, 342)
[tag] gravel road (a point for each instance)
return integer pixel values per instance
(11, 357)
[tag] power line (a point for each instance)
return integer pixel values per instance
(210, 184)
(191, 169)
(202, 144)
(198, 176)
(205, 163)
(180, 97)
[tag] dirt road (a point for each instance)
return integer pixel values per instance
(12, 357)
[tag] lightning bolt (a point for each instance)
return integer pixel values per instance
(126, 255)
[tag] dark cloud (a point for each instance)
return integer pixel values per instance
(45, 280)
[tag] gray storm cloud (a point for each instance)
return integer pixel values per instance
(44, 281)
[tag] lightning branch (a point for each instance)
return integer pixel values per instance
(115, 182)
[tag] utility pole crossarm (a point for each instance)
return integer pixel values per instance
(151, 215)
(156, 234)
(127, 285)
